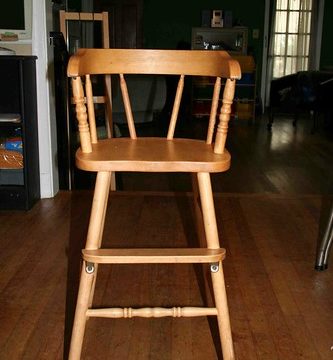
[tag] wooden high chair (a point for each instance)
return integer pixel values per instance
(152, 155)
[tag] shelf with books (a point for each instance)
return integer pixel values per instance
(245, 94)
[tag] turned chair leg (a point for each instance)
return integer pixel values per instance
(88, 272)
(209, 219)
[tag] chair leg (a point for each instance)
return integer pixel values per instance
(80, 319)
(88, 272)
(223, 318)
(204, 279)
(197, 211)
(209, 218)
(109, 184)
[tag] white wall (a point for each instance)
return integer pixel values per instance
(41, 26)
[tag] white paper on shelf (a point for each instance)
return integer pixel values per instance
(13, 118)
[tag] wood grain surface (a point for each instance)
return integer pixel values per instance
(280, 308)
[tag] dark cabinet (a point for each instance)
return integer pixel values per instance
(19, 160)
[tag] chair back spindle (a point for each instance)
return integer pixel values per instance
(108, 106)
(127, 106)
(81, 115)
(213, 111)
(175, 109)
(222, 128)
(91, 110)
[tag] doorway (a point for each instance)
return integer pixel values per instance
(125, 22)
(292, 39)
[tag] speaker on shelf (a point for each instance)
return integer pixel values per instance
(206, 16)
(217, 18)
(227, 19)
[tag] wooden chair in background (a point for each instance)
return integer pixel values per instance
(65, 17)
(152, 155)
(87, 17)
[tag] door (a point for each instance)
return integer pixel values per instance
(125, 22)
(294, 38)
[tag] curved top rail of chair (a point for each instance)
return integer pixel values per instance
(164, 62)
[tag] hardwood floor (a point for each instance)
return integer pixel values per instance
(270, 208)
(280, 307)
(286, 160)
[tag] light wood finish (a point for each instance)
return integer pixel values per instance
(153, 256)
(198, 211)
(81, 115)
(209, 218)
(222, 128)
(84, 16)
(91, 110)
(163, 62)
(175, 109)
(96, 100)
(84, 297)
(109, 179)
(151, 155)
(127, 105)
(166, 62)
(104, 19)
(156, 312)
(223, 317)
(105, 30)
(208, 211)
(213, 112)
(87, 282)
(81, 16)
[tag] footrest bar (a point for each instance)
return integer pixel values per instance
(154, 256)
(155, 312)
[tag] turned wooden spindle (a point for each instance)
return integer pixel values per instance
(152, 312)
(222, 128)
(91, 110)
(81, 115)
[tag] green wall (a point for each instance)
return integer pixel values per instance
(165, 23)
(74, 5)
(326, 58)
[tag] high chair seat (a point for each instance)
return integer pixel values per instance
(152, 155)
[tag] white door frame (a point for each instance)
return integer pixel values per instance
(47, 135)
(265, 55)
(319, 33)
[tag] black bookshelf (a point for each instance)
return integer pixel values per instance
(19, 185)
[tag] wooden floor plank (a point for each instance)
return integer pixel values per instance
(286, 160)
(282, 277)
(280, 307)
(282, 247)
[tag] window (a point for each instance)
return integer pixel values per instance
(291, 36)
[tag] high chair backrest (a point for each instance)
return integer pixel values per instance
(218, 64)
